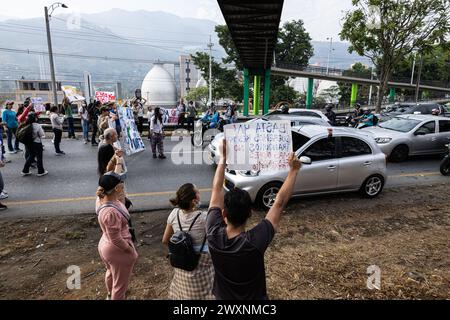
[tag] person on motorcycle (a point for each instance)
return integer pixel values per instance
(285, 109)
(231, 113)
(330, 114)
(435, 112)
(367, 119)
(356, 116)
(212, 117)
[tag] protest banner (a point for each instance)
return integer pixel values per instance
(105, 97)
(132, 140)
(38, 104)
(71, 93)
(262, 146)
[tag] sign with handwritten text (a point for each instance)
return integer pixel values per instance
(261, 146)
(132, 140)
(105, 97)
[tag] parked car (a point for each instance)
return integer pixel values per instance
(409, 135)
(298, 117)
(412, 108)
(347, 161)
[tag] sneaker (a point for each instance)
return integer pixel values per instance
(85, 142)
(3, 195)
(19, 150)
(162, 157)
(53, 141)
(25, 174)
(42, 174)
(7, 161)
(58, 154)
(3, 207)
(155, 156)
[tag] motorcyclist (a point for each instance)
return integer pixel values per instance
(367, 119)
(330, 114)
(435, 112)
(212, 116)
(284, 109)
(356, 116)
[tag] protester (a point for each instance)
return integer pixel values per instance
(231, 113)
(138, 111)
(181, 110)
(103, 122)
(197, 284)
(114, 113)
(9, 119)
(94, 114)
(57, 126)
(23, 118)
(368, 119)
(237, 254)
(85, 120)
(35, 148)
(106, 151)
(157, 134)
(69, 116)
(192, 114)
(116, 247)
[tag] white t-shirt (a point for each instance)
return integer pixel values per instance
(198, 230)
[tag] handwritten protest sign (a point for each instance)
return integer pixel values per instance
(262, 146)
(38, 104)
(132, 140)
(72, 94)
(105, 97)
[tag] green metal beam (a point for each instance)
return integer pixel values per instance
(246, 91)
(267, 91)
(354, 95)
(310, 93)
(392, 95)
(256, 95)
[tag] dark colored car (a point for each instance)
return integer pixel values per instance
(412, 108)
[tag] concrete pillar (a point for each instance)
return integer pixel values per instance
(267, 91)
(392, 95)
(310, 93)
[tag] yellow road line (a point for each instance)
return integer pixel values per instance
(166, 193)
(64, 200)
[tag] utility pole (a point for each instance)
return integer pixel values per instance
(50, 48)
(210, 46)
(413, 69)
(329, 53)
(371, 86)
(418, 79)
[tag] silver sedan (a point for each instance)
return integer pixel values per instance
(346, 161)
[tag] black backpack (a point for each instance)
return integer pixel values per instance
(181, 249)
(25, 134)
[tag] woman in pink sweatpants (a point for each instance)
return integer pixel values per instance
(116, 247)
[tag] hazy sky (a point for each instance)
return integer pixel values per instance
(322, 17)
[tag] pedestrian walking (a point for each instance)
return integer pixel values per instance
(157, 134)
(35, 148)
(116, 248)
(57, 126)
(69, 116)
(237, 254)
(187, 216)
(85, 120)
(9, 119)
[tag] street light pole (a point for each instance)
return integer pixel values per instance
(329, 53)
(50, 48)
(419, 78)
(413, 69)
(210, 46)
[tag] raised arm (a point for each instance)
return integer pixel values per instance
(218, 194)
(283, 197)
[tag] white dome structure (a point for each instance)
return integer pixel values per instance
(201, 83)
(159, 87)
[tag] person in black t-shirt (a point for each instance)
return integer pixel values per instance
(237, 254)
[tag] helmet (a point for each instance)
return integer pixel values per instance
(358, 106)
(329, 107)
(284, 108)
(435, 111)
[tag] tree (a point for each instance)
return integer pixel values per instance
(294, 44)
(200, 94)
(358, 70)
(331, 95)
(283, 93)
(386, 31)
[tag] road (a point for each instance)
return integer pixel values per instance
(70, 187)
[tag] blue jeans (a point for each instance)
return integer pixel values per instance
(85, 125)
(12, 132)
(71, 128)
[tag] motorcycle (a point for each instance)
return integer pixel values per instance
(445, 164)
(204, 133)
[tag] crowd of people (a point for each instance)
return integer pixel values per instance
(213, 254)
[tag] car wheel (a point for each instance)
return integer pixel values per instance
(400, 153)
(445, 167)
(267, 195)
(372, 187)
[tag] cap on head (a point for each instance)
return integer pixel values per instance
(110, 180)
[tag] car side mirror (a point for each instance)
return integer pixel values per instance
(306, 160)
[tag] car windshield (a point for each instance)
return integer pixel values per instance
(400, 124)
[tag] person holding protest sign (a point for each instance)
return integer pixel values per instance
(103, 122)
(157, 134)
(114, 113)
(237, 254)
(57, 126)
(116, 248)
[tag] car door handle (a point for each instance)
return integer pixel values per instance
(368, 163)
(332, 167)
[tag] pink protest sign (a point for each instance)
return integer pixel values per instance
(105, 97)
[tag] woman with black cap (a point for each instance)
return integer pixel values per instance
(116, 247)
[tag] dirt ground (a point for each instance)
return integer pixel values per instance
(322, 251)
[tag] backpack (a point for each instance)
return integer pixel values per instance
(25, 134)
(375, 120)
(181, 249)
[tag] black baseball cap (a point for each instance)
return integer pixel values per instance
(110, 180)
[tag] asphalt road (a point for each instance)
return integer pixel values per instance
(70, 187)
